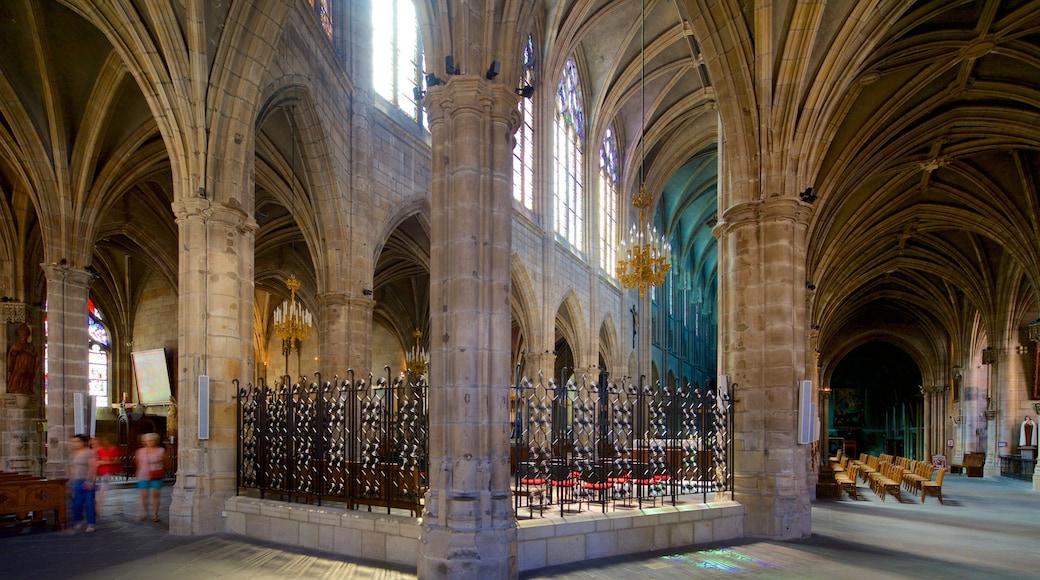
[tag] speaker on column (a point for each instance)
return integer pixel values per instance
(807, 431)
(203, 407)
(79, 413)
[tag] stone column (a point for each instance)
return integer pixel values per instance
(762, 344)
(469, 528)
(331, 334)
(536, 363)
(67, 291)
(215, 321)
(21, 405)
(359, 336)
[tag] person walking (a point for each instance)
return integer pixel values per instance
(150, 474)
(107, 455)
(82, 471)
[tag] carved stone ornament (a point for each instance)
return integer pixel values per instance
(12, 311)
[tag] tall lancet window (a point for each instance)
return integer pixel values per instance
(323, 10)
(397, 56)
(567, 155)
(97, 356)
(608, 202)
(523, 148)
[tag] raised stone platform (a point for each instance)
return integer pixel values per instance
(548, 541)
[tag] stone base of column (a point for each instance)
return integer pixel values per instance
(195, 508)
(488, 554)
(21, 443)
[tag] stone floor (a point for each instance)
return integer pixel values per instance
(988, 528)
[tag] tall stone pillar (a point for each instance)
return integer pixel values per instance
(331, 333)
(67, 291)
(469, 529)
(762, 346)
(359, 335)
(215, 321)
(536, 364)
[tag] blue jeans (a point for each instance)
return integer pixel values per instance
(83, 497)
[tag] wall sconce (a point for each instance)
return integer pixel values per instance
(1022, 349)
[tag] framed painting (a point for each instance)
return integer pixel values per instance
(153, 377)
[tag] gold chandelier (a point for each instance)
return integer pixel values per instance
(292, 320)
(644, 259)
(418, 358)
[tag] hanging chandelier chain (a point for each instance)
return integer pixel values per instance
(292, 320)
(645, 259)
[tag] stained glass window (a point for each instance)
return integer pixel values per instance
(323, 10)
(567, 155)
(608, 202)
(397, 56)
(97, 355)
(523, 148)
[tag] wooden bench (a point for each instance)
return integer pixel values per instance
(973, 463)
(21, 495)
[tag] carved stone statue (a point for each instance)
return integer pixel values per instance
(23, 363)
(171, 419)
(1027, 433)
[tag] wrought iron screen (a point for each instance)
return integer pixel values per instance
(621, 445)
(363, 444)
(353, 442)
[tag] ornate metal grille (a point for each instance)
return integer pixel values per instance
(621, 445)
(364, 444)
(357, 443)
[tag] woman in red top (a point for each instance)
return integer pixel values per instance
(107, 455)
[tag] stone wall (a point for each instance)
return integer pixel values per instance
(547, 541)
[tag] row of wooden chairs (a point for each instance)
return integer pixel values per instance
(888, 474)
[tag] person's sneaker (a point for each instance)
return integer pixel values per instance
(90, 529)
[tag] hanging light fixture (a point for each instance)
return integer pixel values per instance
(418, 358)
(644, 259)
(292, 320)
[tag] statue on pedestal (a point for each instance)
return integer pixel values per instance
(171, 419)
(1027, 433)
(23, 363)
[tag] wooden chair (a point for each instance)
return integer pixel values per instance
(892, 481)
(933, 487)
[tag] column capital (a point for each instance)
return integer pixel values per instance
(198, 208)
(473, 93)
(772, 209)
(70, 275)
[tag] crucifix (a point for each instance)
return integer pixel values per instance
(635, 324)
